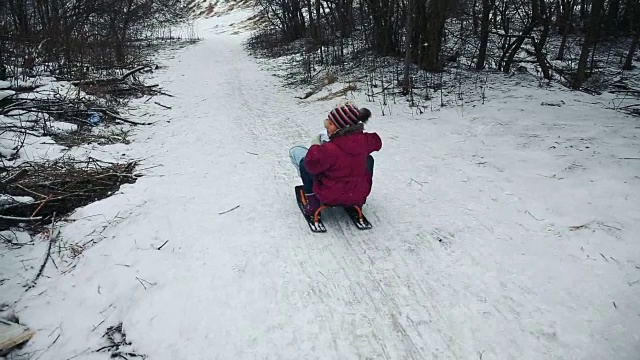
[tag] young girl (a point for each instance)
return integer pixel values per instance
(338, 170)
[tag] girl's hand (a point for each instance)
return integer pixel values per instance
(319, 139)
(316, 140)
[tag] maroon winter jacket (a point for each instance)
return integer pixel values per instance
(339, 168)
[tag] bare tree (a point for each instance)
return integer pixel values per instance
(431, 34)
(407, 46)
(543, 17)
(487, 7)
(73, 35)
(633, 11)
(436, 17)
(565, 9)
(383, 17)
(589, 40)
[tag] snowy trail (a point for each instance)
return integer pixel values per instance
(267, 286)
(443, 274)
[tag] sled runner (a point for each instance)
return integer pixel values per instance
(315, 222)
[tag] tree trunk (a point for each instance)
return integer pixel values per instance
(611, 20)
(628, 63)
(565, 25)
(382, 12)
(632, 12)
(312, 29)
(474, 15)
(583, 12)
(487, 6)
(535, 11)
(510, 52)
(407, 48)
(592, 31)
(545, 17)
(434, 31)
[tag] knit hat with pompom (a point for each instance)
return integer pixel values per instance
(347, 115)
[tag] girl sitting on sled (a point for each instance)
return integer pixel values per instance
(337, 170)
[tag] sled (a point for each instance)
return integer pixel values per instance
(315, 222)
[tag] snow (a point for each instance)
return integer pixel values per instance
(506, 230)
(59, 127)
(10, 200)
(6, 93)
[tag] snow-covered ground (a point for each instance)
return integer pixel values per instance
(503, 230)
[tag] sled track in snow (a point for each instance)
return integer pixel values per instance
(382, 288)
(364, 289)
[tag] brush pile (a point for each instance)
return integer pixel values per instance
(33, 192)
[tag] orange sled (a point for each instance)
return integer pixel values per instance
(315, 222)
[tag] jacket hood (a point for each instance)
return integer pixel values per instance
(351, 140)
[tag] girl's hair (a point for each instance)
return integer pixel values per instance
(364, 114)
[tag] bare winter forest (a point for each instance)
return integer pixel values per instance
(96, 47)
(587, 45)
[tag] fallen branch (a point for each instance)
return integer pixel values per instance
(15, 177)
(609, 226)
(8, 108)
(159, 91)
(32, 192)
(578, 227)
(530, 214)
(138, 69)
(554, 176)
(41, 205)
(163, 244)
(634, 92)
(230, 210)
(110, 80)
(52, 238)
(142, 281)
(164, 106)
(50, 345)
(131, 354)
(17, 218)
(25, 88)
(13, 243)
(117, 117)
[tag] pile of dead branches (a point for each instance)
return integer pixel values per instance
(58, 187)
(76, 110)
(121, 87)
(88, 122)
(84, 135)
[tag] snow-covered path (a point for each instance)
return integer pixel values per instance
(471, 255)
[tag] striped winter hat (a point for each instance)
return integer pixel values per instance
(344, 116)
